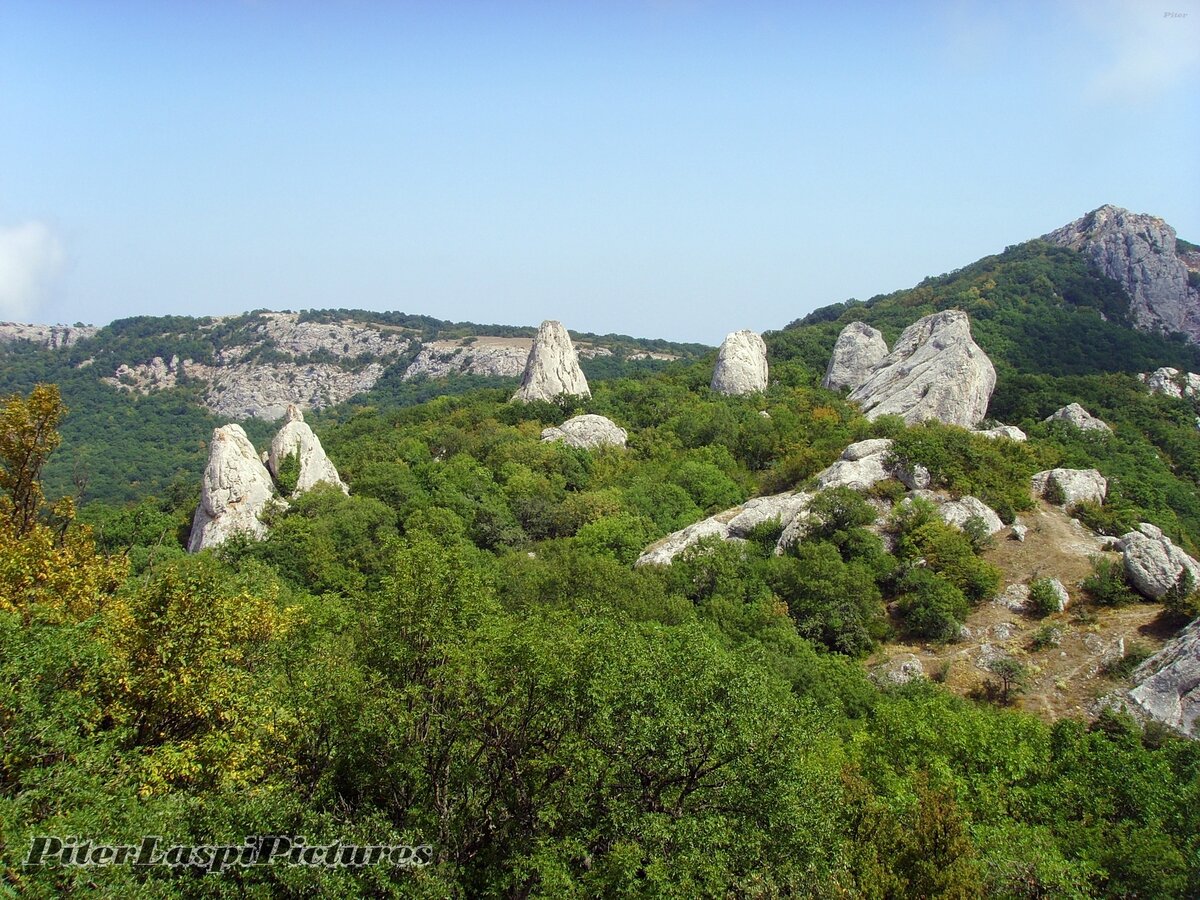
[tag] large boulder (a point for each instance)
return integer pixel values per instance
(936, 371)
(1153, 562)
(1011, 432)
(1070, 486)
(860, 466)
(1139, 252)
(959, 512)
(297, 438)
(858, 350)
(587, 432)
(741, 364)
(552, 368)
(1167, 685)
(236, 488)
(1075, 415)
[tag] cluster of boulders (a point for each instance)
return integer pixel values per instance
(935, 371)
(1171, 382)
(239, 485)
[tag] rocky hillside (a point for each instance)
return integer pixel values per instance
(255, 365)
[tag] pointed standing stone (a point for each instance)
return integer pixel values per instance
(552, 367)
(297, 437)
(741, 364)
(236, 488)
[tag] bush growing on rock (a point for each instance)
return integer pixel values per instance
(1107, 585)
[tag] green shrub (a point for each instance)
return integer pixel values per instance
(1107, 585)
(1182, 600)
(1043, 599)
(932, 607)
(1046, 637)
(289, 473)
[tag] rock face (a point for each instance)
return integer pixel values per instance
(315, 468)
(52, 337)
(1075, 415)
(552, 367)
(741, 364)
(587, 432)
(1139, 252)
(1153, 562)
(935, 371)
(858, 350)
(1172, 383)
(1073, 485)
(1168, 683)
(236, 488)
(491, 357)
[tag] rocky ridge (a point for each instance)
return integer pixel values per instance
(1139, 252)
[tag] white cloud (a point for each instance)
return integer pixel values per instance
(1146, 49)
(31, 255)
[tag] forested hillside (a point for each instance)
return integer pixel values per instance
(462, 654)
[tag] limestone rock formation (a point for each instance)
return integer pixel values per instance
(900, 669)
(858, 350)
(296, 437)
(1012, 432)
(52, 337)
(1172, 383)
(1075, 415)
(1071, 485)
(935, 371)
(860, 466)
(741, 364)
(959, 512)
(1153, 562)
(236, 488)
(587, 432)
(729, 525)
(486, 356)
(1139, 252)
(552, 367)
(1167, 685)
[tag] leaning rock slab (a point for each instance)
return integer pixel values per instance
(236, 488)
(741, 364)
(936, 371)
(1075, 415)
(858, 350)
(1153, 562)
(552, 368)
(1075, 485)
(587, 432)
(296, 437)
(1012, 432)
(1167, 685)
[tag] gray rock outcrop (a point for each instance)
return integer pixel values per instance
(1075, 415)
(741, 364)
(552, 368)
(959, 512)
(587, 432)
(1139, 252)
(1012, 432)
(1167, 685)
(236, 488)
(52, 337)
(296, 437)
(1153, 562)
(859, 348)
(936, 371)
(1072, 485)
(900, 669)
(860, 466)
(1171, 382)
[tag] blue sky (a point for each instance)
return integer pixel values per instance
(664, 168)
